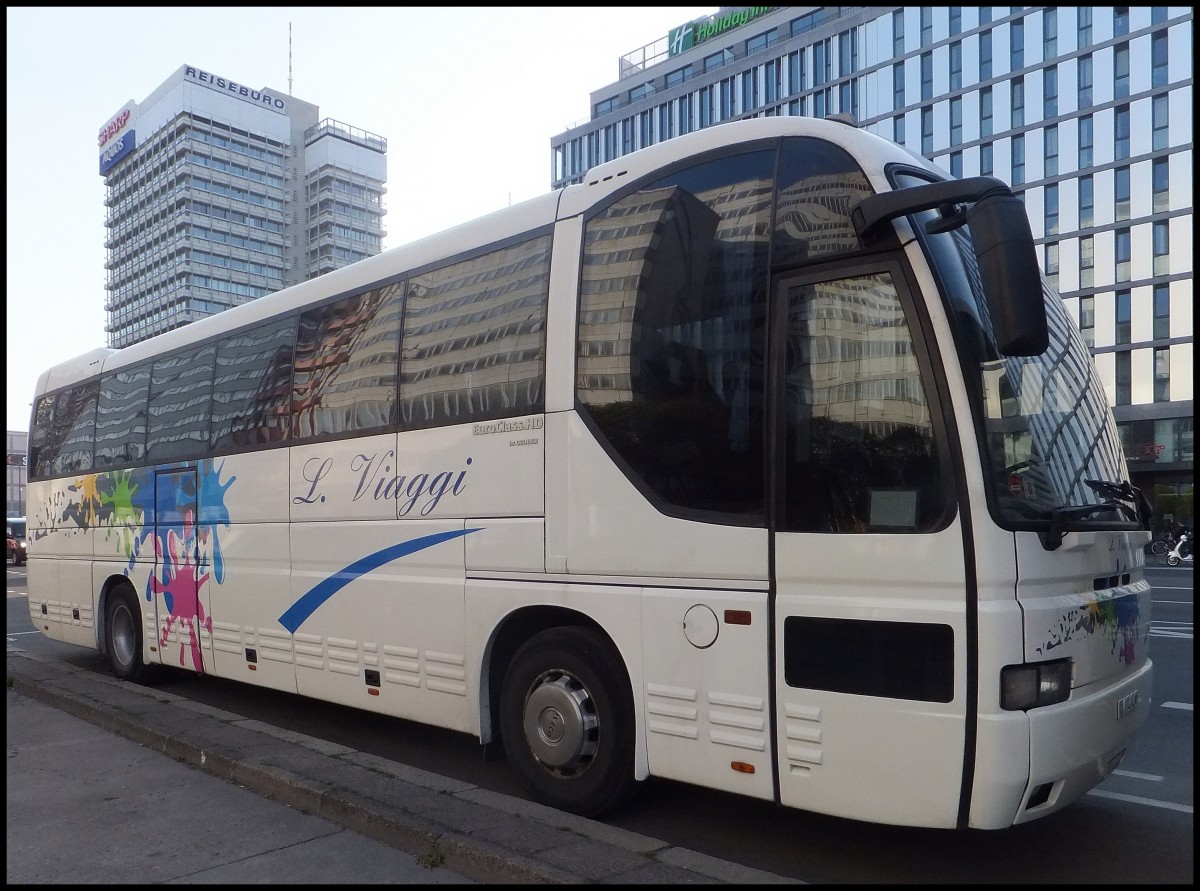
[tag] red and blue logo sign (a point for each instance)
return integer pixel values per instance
(116, 150)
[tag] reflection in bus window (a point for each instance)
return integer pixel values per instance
(64, 431)
(121, 417)
(180, 398)
(860, 452)
(475, 338)
(818, 185)
(252, 386)
(671, 333)
(345, 371)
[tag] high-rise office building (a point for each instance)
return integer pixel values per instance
(219, 193)
(1085, 111)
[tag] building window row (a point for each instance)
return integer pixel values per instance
(238, 264)
(249, 197)
(238, 170)
(760, 88)
(1083, 64)
(216, 236)
(1081, 20)
(238, 146)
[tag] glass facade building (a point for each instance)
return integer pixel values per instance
(217, 194)
(1085, 111)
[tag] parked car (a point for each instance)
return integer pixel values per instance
(18, 540)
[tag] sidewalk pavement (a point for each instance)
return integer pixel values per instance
(406, 826)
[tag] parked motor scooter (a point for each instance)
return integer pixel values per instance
(1183, 551)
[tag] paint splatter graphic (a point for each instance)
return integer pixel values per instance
(174, 514)
(124, 518)
(181, 594)
(1117, 617)
(214, 512)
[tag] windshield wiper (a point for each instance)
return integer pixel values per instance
(1121, 498)
(1127, 492)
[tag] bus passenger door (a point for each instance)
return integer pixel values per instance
(183, 622)
(869, 661)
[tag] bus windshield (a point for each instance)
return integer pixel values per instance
(1052, 454)
(1050, 439)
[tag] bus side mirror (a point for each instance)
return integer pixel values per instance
(1011, 277)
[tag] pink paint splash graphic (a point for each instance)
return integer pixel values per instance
(182, 594)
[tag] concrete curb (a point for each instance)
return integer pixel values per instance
(486, 836)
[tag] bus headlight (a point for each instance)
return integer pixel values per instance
(1032, 686)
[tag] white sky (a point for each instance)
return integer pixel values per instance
(467, 98)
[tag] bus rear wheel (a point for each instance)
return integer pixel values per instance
(124, 631)
(566, 722)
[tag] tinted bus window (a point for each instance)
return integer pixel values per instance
(861, 453)
(818, 185)
(121, 418)
(180, 405)
(64, 430)
(252, 386)
(475, 338)
(345, 374)
(672, 333)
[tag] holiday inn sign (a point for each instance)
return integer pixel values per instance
(692, 34)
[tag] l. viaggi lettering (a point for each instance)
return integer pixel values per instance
(376, 476)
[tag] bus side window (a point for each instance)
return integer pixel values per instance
(252, 386)
(344, 379)
(671, 335)
(121, 417)
(180, 405)
(63, 432)
(818, 185)
(41, 447)
(474, 344)
(76, 420)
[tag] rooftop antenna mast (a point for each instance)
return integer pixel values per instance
(289, 58)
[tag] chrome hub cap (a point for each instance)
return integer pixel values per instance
(560, 723)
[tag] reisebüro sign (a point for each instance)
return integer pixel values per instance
(233, 88)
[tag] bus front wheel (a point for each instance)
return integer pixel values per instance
(123, 631)
(566, 722)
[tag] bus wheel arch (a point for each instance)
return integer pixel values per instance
(123, 632)
(565, 716)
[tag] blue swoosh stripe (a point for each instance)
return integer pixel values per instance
(299, 611)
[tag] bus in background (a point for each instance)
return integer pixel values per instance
(763, 460)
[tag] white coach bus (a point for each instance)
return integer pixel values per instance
(763, 460)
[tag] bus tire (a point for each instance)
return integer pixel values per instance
(566, 722)
(123, 636)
